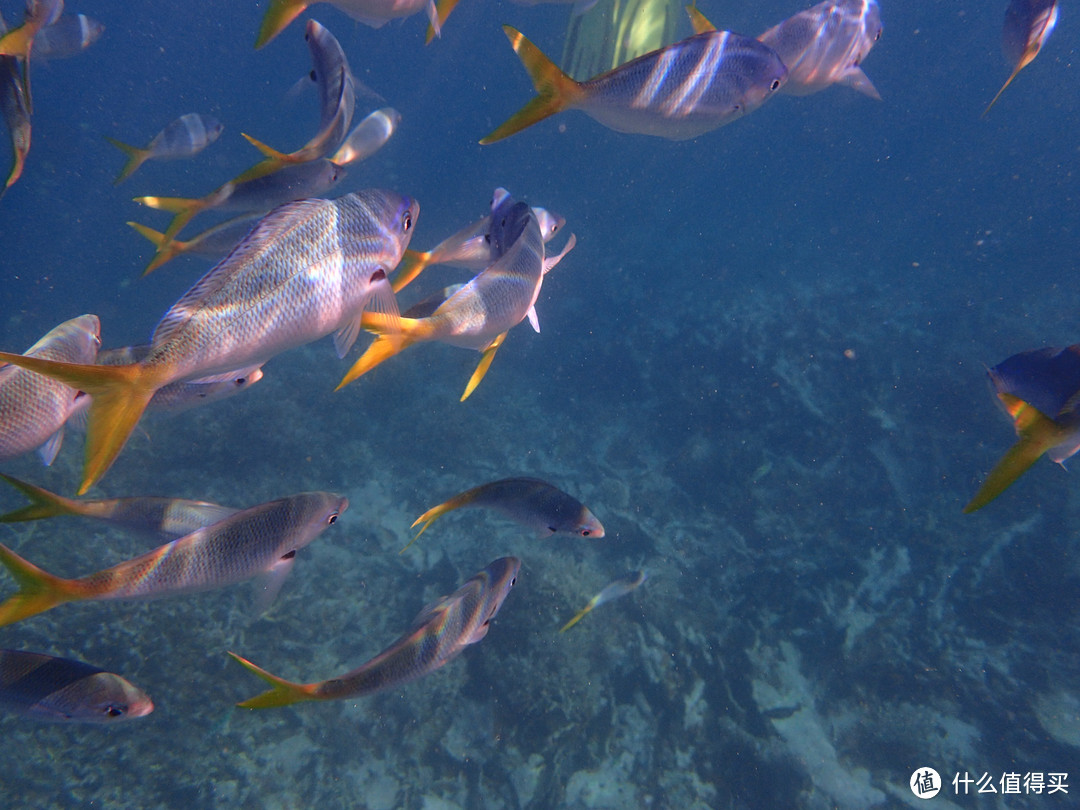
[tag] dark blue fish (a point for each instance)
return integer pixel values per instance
(1028, 24)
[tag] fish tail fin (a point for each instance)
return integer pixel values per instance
(442, 10)
(184, 209)
(700, 23)
(43, 504)
(284, 692)
(18, 41)
(1008, 81)
(1037, 435)
(167, 249)
(119, 397)
(556, 90)
(268, 151)
(436, 512)
(136, 158)
(38, 590)
(277, 19)
(412, 264)
(393, 333)
(483, 366)
(577, 617)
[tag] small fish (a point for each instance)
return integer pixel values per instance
(826, 44)
(375, 13)
(62, 690)
(168, 518)
(307, 270)
(530, 501)
(677, 92)
(470, 248)
(1040, 391)
(248, 193)
(262, 540)
(1028, 24)
(368, 137)
(479, 315)
(33, 408)
(15, 108)
(628, 582)
(337, 102)
(71, 34)
(437, 636)
(186, 136)
(213, 243)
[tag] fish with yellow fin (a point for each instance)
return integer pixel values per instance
(1028, 24)
(529, 501)
(625, 584)
(213, 243)
(1040, 391)
(307, 270)
(185, 137)
(677, 92)
(375, 13)
(260, 541)
(15, 109)
(438, 635)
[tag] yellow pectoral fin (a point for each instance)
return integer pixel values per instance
(277, 19)
(38, 590)
(284, 692)
(1037, 438)
(483, 366)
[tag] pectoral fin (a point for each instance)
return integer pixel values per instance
(49, 450)
(856, 79)
(269, 584)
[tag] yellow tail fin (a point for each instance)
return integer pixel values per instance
(277, 19)
(119, 397)
(19, 41)
(436, 512)
(577, 617)
(556, 90)
(284, 692)
(1037, 434)
(38, 590)
(394, 335)
(136, 158)
(43, 504)
(167, 249)
(442, 11)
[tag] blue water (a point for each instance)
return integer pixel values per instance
(820, 618)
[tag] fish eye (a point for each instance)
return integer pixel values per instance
(552, 529)
(330, 521)
(775, 84)
(585, 532)
(239, 381)
(408, 222)
(513, 582)
(877, 36)
(115, 711)
(313, 76)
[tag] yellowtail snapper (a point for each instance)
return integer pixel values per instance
(213, 243)
(1040, 391)
(677, 92)
(262, 540)
(186, 136)
(529, 501)
(62, 690)
(1028, 24)
(375, 13)
(308, 269)
(625, 584)
(437, 636)
(33, 408)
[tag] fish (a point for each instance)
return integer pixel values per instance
(1040, 391)
(308, 269)
(337, 102)
(470, 248)
(213, 243)
(826, 45)
(368, 137)
(71, 34)
(63, 690)
(375, 13)
(1028, 25)
(438, 635)
(39, 14)
(529, 501)
(33, 408)
(479, 315)
(182, 396)
(677, 92)
(169, 518)
(248, 193)
(15, 108)
(262, 540)
(628, 582)
(185, 137)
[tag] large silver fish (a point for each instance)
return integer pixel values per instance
(826, 44)
(262, 540)
(308, 269)
(33, 408)
(437, 636)
(62, 690)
